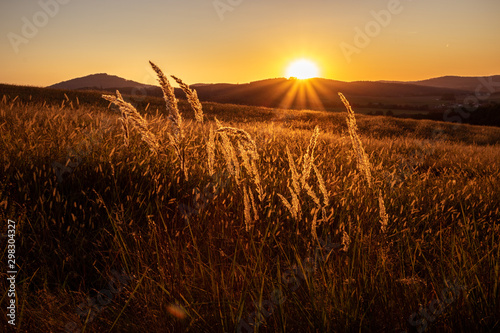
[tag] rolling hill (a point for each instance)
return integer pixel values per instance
(278, 92)
(101, 81)
(459, 82)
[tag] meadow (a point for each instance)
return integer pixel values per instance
(250, 218)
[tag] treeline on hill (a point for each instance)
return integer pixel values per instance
(487, 114)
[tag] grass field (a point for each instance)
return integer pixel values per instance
(119, 238)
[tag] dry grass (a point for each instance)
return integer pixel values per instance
(193, 100)
(130, 115)
(232, 163)
(299, 184)
(364, 165)
(211, 151)
(86, 204)
(176, 133)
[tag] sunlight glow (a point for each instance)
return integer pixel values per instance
(302, 69)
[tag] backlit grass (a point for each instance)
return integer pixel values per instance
(86, 203)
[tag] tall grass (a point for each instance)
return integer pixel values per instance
(176, 125)
(131, 116)
(237, 254)
(364, 165)
(193, 100)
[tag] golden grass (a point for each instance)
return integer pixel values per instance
(130, 115)
(322, 186)
(299, 184)
(171, 103)
(211, 151)
(247, 210)
(176, 134)
(125, 130)
(364, 165)
(243, 137)
(193, 100)
(232, 164)
(308, 159)
(384, 218)
(120, 207)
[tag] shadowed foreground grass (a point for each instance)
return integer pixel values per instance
(90, 209)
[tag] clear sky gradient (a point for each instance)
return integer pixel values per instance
(238, 41)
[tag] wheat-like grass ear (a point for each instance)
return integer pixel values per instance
(247, 212)
(211, 151)
(364, 165)
(126, 132)
(308, 158)
(249, 207)
(322, 186)
(176, 123)
(249, 163)
(171, 103)
(229, 153)
(254, 206)
(288, 205)
(295, 204)
(131, 115)
(363, 161)
(242, 136)
(384, 218)
(193, 100)
(167, 89)
(123, 119)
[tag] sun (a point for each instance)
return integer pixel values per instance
(302, 69)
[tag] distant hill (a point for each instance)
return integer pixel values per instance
(456, 82)
(287, 93)
(284, 93)
(101, 81)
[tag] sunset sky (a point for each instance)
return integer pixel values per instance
(238, 41)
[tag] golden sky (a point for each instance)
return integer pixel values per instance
(238, 41)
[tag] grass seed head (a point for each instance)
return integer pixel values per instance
(384, 218)
(362, 159)
(131, 115)
(193, 100)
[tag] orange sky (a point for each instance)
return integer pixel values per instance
(49, 41)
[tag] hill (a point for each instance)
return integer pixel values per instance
(459, 82)
(487, 113)
(315, 93)
(99, 81)
(312, 94)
